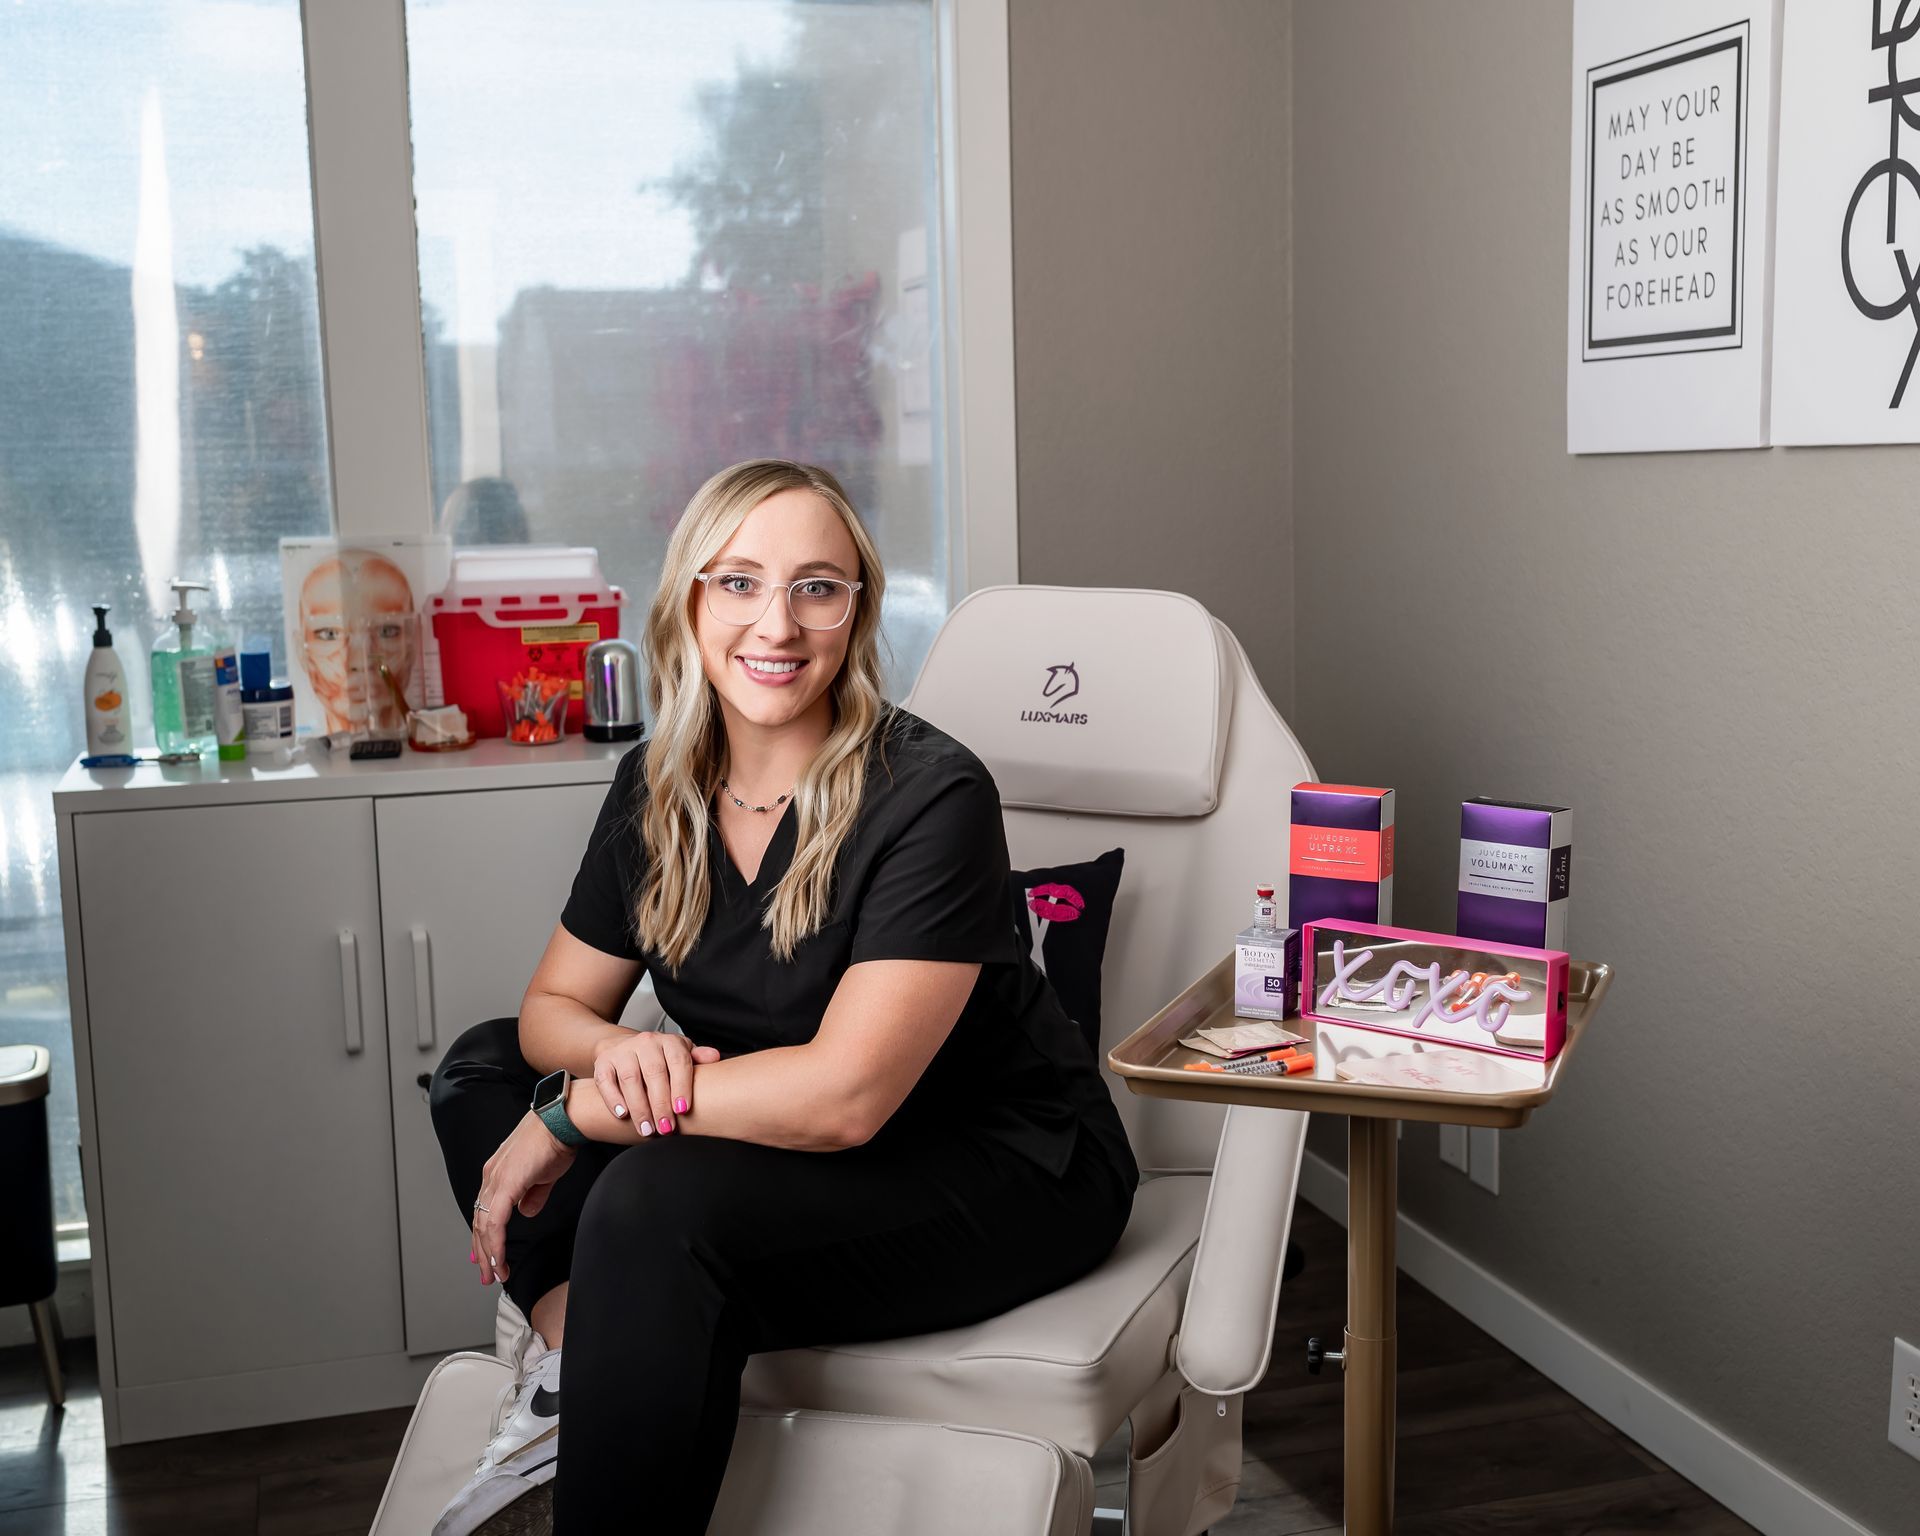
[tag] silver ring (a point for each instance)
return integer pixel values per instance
(481, 1208)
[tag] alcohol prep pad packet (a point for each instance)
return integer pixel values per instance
(1239, 1039)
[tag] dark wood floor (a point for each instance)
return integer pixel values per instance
(1485, 1445)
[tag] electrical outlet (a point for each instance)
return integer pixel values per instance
(1903, 1418)
(1453, 1146)
(1483, 1158)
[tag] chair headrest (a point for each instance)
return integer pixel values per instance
(1103, 700)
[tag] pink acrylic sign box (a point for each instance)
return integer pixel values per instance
(1435, 986)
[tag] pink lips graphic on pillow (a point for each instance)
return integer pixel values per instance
(1056, 903)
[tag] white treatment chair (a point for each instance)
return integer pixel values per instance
(1109, 718)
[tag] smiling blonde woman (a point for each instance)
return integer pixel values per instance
(878, 1120)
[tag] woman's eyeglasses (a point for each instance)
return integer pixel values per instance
(816, 602)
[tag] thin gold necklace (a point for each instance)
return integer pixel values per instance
(763, 809)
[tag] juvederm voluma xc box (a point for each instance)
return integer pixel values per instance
(1340, 855)
(1516, 863)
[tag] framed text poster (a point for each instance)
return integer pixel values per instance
(1847, 307)
(1667, 335)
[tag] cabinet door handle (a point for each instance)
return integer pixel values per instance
(422, 988)
(350, 991)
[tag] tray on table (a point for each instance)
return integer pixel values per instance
(1152, 1060)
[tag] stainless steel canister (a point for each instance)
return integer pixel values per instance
(612, 680)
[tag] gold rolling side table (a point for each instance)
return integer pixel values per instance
(1152, 1061)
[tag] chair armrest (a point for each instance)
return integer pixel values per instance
(643, 1010)
(1226, 1333)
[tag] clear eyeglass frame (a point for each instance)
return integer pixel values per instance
(707, 579)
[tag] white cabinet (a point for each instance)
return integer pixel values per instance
(263, 966)
(470, 888)
(240, 1086)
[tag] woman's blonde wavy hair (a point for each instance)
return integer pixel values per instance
(683, 756)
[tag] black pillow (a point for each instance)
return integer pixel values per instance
(1067, 909)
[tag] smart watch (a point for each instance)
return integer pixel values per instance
(550, 1104)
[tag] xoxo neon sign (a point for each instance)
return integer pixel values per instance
(1486, 1001)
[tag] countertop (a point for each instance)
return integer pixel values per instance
(315, 773)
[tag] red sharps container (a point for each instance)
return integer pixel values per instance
(514, 607)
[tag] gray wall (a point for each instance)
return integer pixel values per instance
(1151, 304)
(1711, 657)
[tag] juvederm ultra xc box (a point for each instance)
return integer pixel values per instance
(1516, 863)
(1340, 855)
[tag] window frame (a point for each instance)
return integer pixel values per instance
(367, 267)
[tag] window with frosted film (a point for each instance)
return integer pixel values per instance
(657, 238)
(160, 393)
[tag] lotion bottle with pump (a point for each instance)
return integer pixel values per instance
(109, 732)
(183, 681)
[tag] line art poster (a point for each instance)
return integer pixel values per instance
(1847, 301)
(1667, 334)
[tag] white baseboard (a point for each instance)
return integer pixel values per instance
(1714, 1463)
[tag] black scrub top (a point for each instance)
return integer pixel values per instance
(922, 875)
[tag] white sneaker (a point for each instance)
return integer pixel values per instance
(524, 1449)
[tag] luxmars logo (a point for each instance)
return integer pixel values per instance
(1062, 683)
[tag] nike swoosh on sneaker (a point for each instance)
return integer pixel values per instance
(546, 1404)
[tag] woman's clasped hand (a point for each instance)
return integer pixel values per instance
(648, 1074)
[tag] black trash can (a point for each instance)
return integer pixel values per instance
(28, 1270)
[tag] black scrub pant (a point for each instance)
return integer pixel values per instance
(688, 1253)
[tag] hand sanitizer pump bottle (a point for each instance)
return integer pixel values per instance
(183, 681)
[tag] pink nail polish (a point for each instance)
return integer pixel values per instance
(646, 1127)
(665, 1125)
(679, 1106)
(619, 1111)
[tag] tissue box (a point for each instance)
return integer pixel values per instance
(1340, 854)
(1516, 862)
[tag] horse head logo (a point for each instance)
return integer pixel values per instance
(1062, 684)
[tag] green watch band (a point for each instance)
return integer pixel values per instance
(550, 1104)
